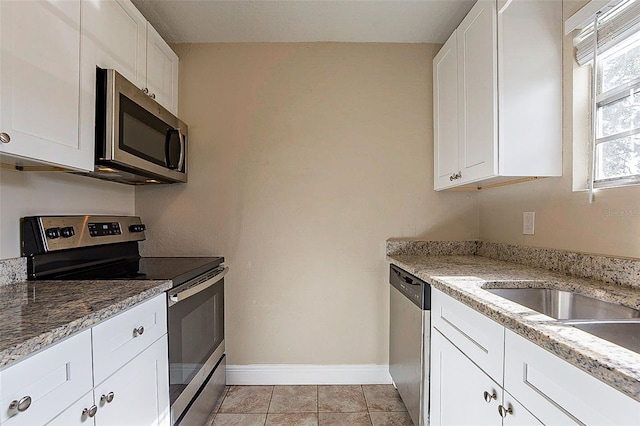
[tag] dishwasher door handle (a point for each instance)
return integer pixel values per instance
(409, 281)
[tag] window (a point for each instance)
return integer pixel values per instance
(617, 152)
(615, 99)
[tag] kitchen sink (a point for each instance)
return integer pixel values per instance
(622, 333)
(565, 305)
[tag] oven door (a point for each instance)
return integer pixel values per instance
(196, 337)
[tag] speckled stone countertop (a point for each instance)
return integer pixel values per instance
(35, 314)
(465, 277)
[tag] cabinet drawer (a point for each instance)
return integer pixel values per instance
(477, 336)
(116, 341)
(560, 393)
(54, 379)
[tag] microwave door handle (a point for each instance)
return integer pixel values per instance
(167, 149)
(182, 149)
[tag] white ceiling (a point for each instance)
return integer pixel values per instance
(393, 21)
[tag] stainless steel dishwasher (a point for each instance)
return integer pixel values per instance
(409, 341)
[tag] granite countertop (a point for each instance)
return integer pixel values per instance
(465, 277)
(36, 314)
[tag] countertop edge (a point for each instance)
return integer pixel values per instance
(35, 344)
(548, 333)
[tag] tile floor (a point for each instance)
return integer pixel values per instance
(353, 405)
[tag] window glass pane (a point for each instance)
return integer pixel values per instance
(618, 158)
(619, 116)
(620, 66)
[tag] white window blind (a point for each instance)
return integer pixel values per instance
(617, 22)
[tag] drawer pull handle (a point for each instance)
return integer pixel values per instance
(505, 411)
(107, 398)
(138, 331)
(489, 396)
(91, 411)
(5, 138)
(18, 406)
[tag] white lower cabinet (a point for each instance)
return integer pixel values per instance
(77, 414)
(59, 385)
(458, 386)
(136, 391)
(37, 389)
(532, 387)
(560, 393)
(117, 341)
(134, 395)
(462, 394)
(516, 414)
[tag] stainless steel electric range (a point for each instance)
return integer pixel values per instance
(106, 248)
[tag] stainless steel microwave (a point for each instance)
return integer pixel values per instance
(138, 141)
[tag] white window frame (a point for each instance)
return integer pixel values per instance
(608, 97)
(616, 23)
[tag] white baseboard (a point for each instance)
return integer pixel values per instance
(303, 374)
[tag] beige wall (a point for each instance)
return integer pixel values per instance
(565, 219)
(304, 158)
(40, 193)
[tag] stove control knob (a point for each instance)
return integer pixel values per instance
(137, 228)
(52, 233)
(67, 232)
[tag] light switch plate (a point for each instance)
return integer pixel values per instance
(528, 223)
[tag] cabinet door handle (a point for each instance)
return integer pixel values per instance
(153, 96)
(5, 138)
(19, 405)
(455, 176)
(138, 331)
(490, 396)
(145, 91)
(505, 411)
(91, 411)
(107, 398)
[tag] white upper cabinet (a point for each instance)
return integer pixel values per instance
(530, 88)
(507, 98)
(39, 85)
(49, 54)
(445, 109)
(162, 71)
(114, 35)
(477, 80)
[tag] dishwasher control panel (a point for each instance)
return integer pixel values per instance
(413, 288)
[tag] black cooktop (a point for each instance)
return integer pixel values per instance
(177, 269)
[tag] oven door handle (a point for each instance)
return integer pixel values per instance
(182, 295)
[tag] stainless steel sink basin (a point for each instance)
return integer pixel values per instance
(623, 333)
(565, 305)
